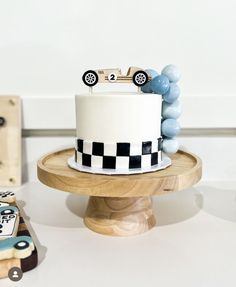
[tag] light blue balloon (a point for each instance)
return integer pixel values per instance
(172, 73)
(152, 73)
(172, 94)
(170, 145)
(170, 128)
(160, 84)
(146, 88)
(171, 111)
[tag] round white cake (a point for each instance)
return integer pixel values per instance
(118, 131)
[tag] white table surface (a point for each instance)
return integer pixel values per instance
(193, 244)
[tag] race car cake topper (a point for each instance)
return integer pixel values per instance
(134, 75)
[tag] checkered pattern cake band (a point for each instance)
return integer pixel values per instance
(121, 155)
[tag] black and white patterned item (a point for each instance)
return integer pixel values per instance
(118, 156)
(7, 196)
(9, 221)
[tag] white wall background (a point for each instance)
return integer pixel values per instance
(46, 45)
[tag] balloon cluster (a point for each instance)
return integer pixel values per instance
(165, 84)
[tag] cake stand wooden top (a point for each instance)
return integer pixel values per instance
(53, 171)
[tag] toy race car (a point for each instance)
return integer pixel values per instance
(136, 75)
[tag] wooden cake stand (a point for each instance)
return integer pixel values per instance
(119, 205)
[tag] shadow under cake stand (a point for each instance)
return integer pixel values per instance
(119, 205)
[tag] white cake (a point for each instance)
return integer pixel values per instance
(118, 132)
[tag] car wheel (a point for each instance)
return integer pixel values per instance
(140, 78)
(90, 78)
(21, 245)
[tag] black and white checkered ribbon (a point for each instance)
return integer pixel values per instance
(120, 155)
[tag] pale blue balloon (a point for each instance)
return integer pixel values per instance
(152, 73)
(170, 145)
(146, 88)
(172, 94)
(171, 111)
(170, 128)
(160, 84)
(172, 72)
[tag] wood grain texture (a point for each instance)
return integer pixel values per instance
(119, 205)
(10, 141)
(119, 216)
(185, 171)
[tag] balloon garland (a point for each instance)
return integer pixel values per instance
(165, 84)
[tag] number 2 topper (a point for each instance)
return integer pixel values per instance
(134, 75)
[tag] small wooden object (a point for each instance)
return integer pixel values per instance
(136, 75)
(10, 141)
(119, 205)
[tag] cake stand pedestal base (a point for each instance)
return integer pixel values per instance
(118, 216)
(119, 205)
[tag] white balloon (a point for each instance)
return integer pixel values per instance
(170, 145)
(172, 73)
(171, 111)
